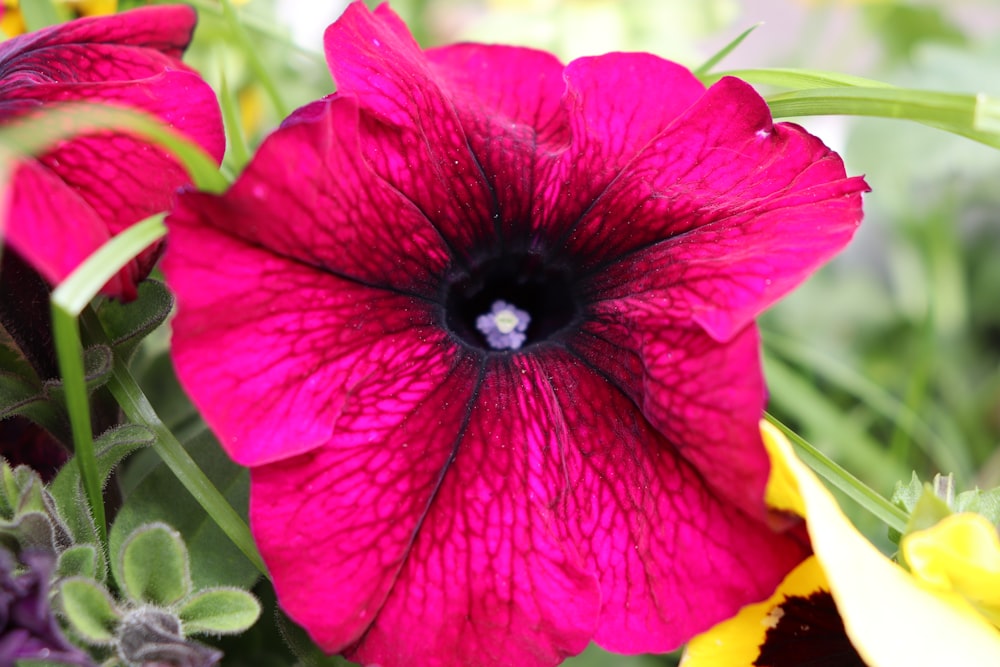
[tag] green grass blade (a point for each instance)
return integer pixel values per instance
(239, 151)
(706, 67)
(137, 408)
(37, 133)
(253, 59)
(788, 77)
(69, 351)
(840, 478)
(67, 301)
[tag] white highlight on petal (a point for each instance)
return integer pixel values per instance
(504, 326)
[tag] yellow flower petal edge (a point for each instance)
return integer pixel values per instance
(961, 553)
(890, 617)
(736, 642)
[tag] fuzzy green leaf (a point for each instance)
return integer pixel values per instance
(89, 609)
(223, 611)
(153, 564)
(97, 362)
(111, 448)
(127, 324)
(159, 496)
(79, 560)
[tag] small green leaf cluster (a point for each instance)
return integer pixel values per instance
(927, 503)
(160, 607)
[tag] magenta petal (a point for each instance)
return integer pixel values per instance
(39, 201)
(608, 129)
(704, 397)
(374, 59)
(122, 178)
(165, 29)
(98, 185)
(672, 554)
(514, 123)
(721, 216)
(332, 200)
(427, 494)
(298, 340)
(423, 537)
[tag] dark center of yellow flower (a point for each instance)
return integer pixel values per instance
(509, 302)
(807, 632)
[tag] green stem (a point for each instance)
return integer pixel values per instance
(840, 478)
(69, 350)
(67, 301)
(253, 59)
(137, 408)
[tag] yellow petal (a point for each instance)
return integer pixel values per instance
(736, 642)
(93, 7)
(960, 554)
(890, 618)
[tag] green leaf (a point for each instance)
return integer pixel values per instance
(222, 611)
(153, 565)
(906, 496)
(789, 77)
(97, 362)
(80, 560)
(8, 490)
(986, 503)
(159, 496)
(127, 324)
(20, 397)
(111, 448)
(927, 512)
(89, 609)
(30, 530)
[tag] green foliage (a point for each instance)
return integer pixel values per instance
(159, 496)
(127, 325)
(89, 609)
(158, 608)
(219, 611)
(153, 566)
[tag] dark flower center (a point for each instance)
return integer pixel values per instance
(807, 631)
(509, 302)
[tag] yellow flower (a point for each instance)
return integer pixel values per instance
(12, 22)
(960, 556)
(938, 615)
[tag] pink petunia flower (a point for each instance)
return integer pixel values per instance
(428, 485)
(68, 202)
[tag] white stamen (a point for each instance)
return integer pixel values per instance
(504, 326)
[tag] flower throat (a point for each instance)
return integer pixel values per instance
(509, 302)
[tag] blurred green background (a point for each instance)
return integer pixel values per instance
(888, 358)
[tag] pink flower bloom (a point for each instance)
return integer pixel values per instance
(430, 488)
(68, 202)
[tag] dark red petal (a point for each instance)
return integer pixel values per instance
(706, 398)
(673, 555)
(514, 123)
(298, 339)
(165, 29)
(331, 212)
(417, 143)
(617, 103)
(721, 215)
(54, 229)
